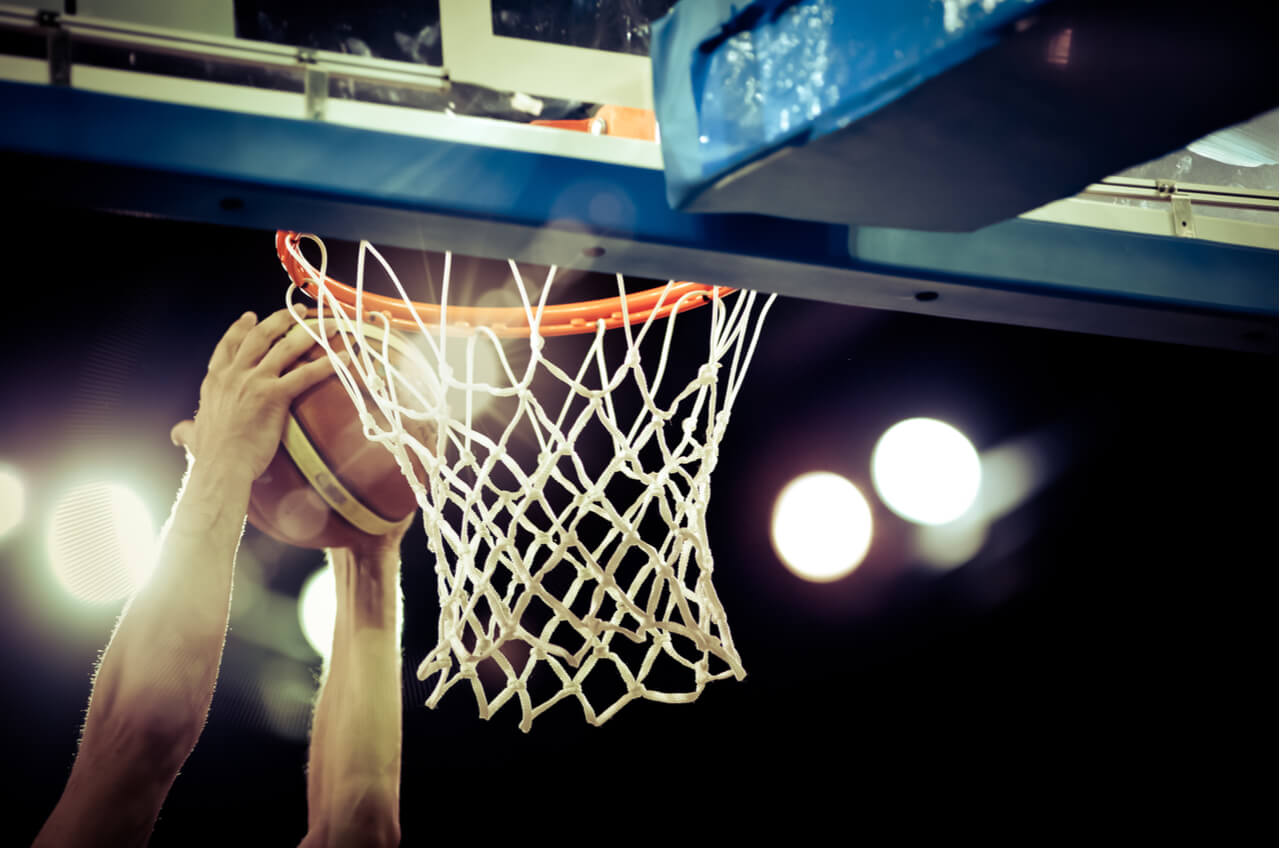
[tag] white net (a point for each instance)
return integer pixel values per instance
(564, 501)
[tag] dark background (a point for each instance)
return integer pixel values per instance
(1108, 655)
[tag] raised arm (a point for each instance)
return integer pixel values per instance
(353, 773)
(152, 690)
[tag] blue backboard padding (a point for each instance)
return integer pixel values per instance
(341, 182)
(733, 83)
(386, 170)
(1084, 260)
(307, 156)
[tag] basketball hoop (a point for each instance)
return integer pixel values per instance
(507, 322)
(569, 534)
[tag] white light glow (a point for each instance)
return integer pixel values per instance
(821, 526)
(102, 542)
(13, 499)
(486, 369)
(287, 690)
(926, 471)
(317, 605)
(946, 546)
(1013, 472)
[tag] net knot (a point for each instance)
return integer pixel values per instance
(601, 540)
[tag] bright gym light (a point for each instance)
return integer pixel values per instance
(485, 366)
(485, 369)
(287, 691)
(821, 526)
(926, 471)
(317, 604)
(13, 499)
(102, 542)
(946, 546)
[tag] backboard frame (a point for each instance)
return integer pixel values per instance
(269, 159)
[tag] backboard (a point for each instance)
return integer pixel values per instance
(412, 128)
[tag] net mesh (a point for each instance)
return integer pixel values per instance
(564, 498)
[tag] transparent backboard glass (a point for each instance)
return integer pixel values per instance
(620, 26)
(383, 29)
(1243, 156)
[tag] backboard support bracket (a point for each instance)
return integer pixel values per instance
(59, 48)
(1184, 220)
(316, 93)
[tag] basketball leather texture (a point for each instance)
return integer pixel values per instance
(286, 505)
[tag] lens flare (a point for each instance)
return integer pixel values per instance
(13, 500)
(926, 471)
(821, 526)
(102, 542)
(317, 605)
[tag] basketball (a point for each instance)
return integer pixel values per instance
(329, 486)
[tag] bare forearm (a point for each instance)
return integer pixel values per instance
(152, 690)
(368, 599)
(165, 654)
(354, 772)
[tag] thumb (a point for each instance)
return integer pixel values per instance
(182, 433)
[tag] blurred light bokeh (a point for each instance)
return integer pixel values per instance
(287, 691)
(821, 526)
(13, 497)
(317, 604)
(926, 471)
(101, 542)
(1012, 473)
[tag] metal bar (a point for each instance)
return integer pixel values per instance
(380, 118)
(1223, 198)
(1083, 212)
(1194, 188)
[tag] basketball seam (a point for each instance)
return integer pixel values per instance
(311, 464)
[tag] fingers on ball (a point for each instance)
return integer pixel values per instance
(261, 338)
(305, 376)
(229, 345)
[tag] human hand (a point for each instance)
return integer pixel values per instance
(244, 397)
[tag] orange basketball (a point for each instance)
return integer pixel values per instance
(329, 486)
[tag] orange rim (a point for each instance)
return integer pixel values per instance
(557, 320)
